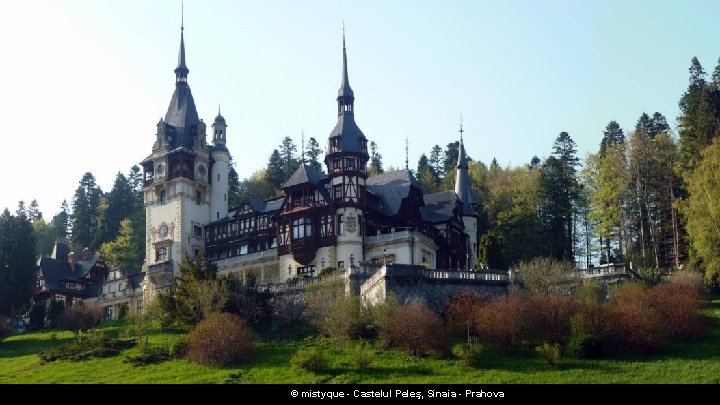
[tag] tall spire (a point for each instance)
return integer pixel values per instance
(462, 179)
(346, 97)
(407, 149)
(181, 71)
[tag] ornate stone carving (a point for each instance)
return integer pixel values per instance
(351, 223)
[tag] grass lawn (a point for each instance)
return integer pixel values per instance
(682, 363)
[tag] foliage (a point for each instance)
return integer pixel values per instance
(327, 271)
(679, 307)
(246, 301)
(376, 166)
(502, 321)
(55, 308)
(418, 330)
(221, 339)
(460, 312)
(703, 213)
(310, 359)
(121, 253)
(334, 313)
(633, 325)
(585, 347)
(151, 355)
(89, 347)
(361, 355)
(470, 353)
(544, 275)
(313, 152)
(378, 318)
(85, 212)
(549, 317)
(44, 237)
(17, 263)
(37, 316)
(61, 220)
(80, 318)
(287, 310)
(5, 330)
(234, 198)
(549, 352)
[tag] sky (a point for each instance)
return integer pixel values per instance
(84, 82)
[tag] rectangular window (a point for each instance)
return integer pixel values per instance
(307, 271)
(224, 197)
(197, 231)
(340, 225)
(337, 192)
(218, 177)
(217, 215)
(198, 197)
(139, 308)
(298, 228)
(360, 225)
(341, 265)
(162, 197)
(162, 254)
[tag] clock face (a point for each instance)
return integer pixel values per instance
(202, 170)
(159, 168)
(163, 230)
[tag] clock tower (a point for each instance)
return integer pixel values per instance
(177, 188)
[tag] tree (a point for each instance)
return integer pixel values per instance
(44, 237)
(258, 186)
(693, 122)
(612, 135)
(312, 154)
(61, 220)
(275, 172)
(86, 207)
(120, 205)
(702, 213)
(80, 318)
(33, 211)
(436, 162)
(233, 187)
(288, 155)
(450, 158)
(17, 264)
(122, 253)
(376, 166)
(543, 276)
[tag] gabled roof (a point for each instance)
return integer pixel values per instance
(439, 206)
(392, 188)
(55, 271)
(182, 116)
(305, 174)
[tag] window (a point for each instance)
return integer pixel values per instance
(217, 215)
(350, 162)
(162, 197)
(341, 264)
(198, 197)
(299, 228)
(307, 271)
(162, 254)
(224, 197)
(340, 225)
(197, 231)
(360, 225)
(139, 308)
(243, 249)
(308, 227)
(218, 177)
(337, 192)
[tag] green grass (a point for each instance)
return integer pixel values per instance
(682, 363)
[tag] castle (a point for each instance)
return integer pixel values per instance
(339, 219)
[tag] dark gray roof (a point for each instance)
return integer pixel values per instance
(463, 187)
(305, 174)
(61, 250)
(56, 271)
(351, 137)
(392, 188)
(218, 147)
(182, 116)
(345, 89)
(182, 69)
(219, 119)
(439, 206)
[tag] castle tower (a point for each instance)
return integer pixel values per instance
(220, 168)
(176, 185)
(346, 161)
(470, 207)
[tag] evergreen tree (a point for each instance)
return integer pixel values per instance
(612, 135)
(256, 186)
(422, 165)
(61, 220)
(86, 207)
(121, 253)
(312, 154)
(17, 264)
(450, 158)
(693, 122)
(436, 162)
(44, 237)
(290, 160)
(33, 211)
(275, 173)
(376, 166)
(120, 204)
(233, 187)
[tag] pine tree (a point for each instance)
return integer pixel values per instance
(612, 135)
(61, 220)
(119, 204)
(376, 166)
(312, 154)
(275, 173)
(121, 253)
(86, 207)
(436, 162)
(33, 211)
(17, 264)
(233, 187)
(288, 154)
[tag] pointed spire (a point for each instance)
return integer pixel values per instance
(181, 71)
(219, 119)
(302, 147)
(462, 159)
(345, 89)
(407, 148)
(462, 179)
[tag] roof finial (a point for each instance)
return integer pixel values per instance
(182, 15)
(345, 90)
(407, 147)
(302, 147)
(219, 110)
(461, 129)
(181, 71)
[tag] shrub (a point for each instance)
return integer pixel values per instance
(378, 316)
(37, 317)
(361, 355)
(54, 310)
(502, 322)
(469, 353)
(178, 349)
(688, 278)
(221, 339)
(549, 352)
(150, 355)
(310, 359)
(549, 317)
(86, 349)
(679, 306)
(632, 324)
(585, 347)
(335, 314)
(5, 329)
(80, 318)
(544, 275)
(327, 271)
(417, 329)
(460, 312)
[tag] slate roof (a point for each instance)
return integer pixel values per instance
(463, 187)
(345, 90)
(351, 136)
(305, 174)
(392, 188)
(182, 113)
(439, 206)
(56, 271)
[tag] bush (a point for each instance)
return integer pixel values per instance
(417, 329)
(549, 352)
(85, 349)
(150, 355)
(378, 316)
(335, 314)
(55, 308)
(361, 355)
(544, 275)
(80, 318)
(679, 306)
(310, 359)
(178, 349)
(469, 353)
(632, 324)
(460, 312)
(549, 317)
(327, 271)
(585, 347)
(37, 317)
(221, 339)
(688, 278)
(5, 329)
(502, 322)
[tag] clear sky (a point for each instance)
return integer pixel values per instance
(84, 82)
